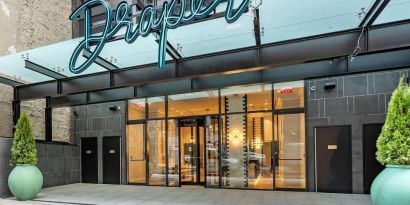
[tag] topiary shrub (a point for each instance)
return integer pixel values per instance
(24, 150)
(393, 144)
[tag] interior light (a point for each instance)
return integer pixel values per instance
(236, 137)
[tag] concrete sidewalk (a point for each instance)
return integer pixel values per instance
(103, 194)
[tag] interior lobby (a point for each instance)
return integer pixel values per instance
(247, 137)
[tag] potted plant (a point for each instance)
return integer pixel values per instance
(26, 180)
(392, 186)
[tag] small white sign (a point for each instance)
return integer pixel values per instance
(332, 147)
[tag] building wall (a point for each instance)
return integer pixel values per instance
(357, 100)
(59, 164)
(27, 24)
(97, 120)
(33, 23)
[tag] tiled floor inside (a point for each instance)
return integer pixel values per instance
(92, 194)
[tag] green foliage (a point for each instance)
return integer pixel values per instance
(393, 144)
(23, 150)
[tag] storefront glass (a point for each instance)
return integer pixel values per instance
(156, 152)
(232, 138)
(193, 104)
(136, 109)
(136, 160)
(290, 151)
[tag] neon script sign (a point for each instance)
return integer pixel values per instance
(151, 20)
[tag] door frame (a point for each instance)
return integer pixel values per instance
(198, 161)
(350, 148)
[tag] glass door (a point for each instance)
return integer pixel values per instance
(136, 157)
(289, 149)
(192, 136)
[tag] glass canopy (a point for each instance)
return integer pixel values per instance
(280, 20)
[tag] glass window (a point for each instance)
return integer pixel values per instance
(156, 107)
(212, 153)
(257, 98)
(234, 156)
(35, 110)
(136, 109)
(193, 104)
(137, 162)
(6, 110)
(61, 129)
(289, 95)
(156, 152)
(259, 155)
(290, 151)
(173, 153)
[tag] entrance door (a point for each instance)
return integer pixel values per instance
(333, 159)
(111, 160)
(89, 160)
(192, 136)
(372, 167)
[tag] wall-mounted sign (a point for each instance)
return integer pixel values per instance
(170, 16)
(332, 147)
(286, 90)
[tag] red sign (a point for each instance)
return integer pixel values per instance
(286, 90)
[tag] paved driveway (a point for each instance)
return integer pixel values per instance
(98, 194)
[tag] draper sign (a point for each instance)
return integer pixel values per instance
(150, 20)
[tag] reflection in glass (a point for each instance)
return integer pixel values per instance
(136, 154)
(212, 156)
(234, 144)
(193, 104)
(189, 153)
(260, 165)
(156, 152)
(156, 107)
(136, 109)
(290, 151)
(289, 95)
(173, 153)
(259, 97)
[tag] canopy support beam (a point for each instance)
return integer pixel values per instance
(100, 61)
(43, 70)
(373, 13)
(10, 82)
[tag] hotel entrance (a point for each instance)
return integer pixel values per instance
(249, 137)
(192, 137)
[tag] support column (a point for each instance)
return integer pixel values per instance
(48, 121)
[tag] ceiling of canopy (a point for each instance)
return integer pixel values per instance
(280, 20)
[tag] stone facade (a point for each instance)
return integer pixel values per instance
(60, 164)
(29, 24)
(97, 120)
(357, 100)
(33, 23)
(6, 122)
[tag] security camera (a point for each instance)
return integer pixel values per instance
(115, 108)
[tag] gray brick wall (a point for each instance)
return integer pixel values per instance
(97, 120)
(59, 164)
(356, 100)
